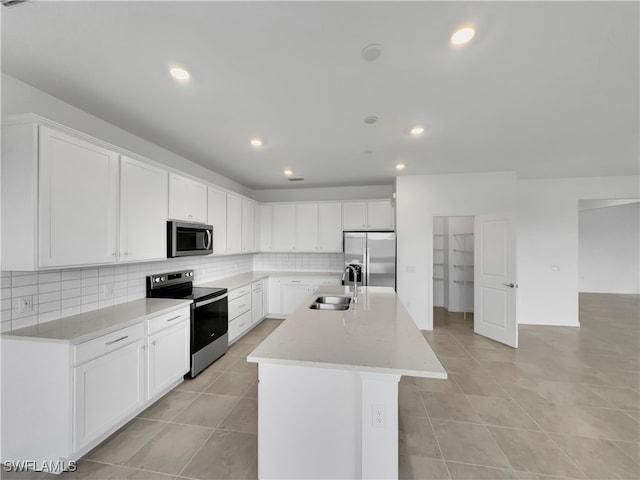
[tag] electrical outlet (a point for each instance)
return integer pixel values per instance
(107, 290)
(378, 415)
(26, 304)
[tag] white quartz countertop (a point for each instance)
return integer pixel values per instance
(243, 279)
(375, 335)
(89, 325)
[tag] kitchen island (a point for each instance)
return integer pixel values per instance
(328, 387)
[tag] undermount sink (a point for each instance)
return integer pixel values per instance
(331, 302)
(329, 306)
(334, 300)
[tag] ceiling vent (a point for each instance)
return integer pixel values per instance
(12, 3)
(296, 179)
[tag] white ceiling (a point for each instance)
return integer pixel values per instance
(548, 89)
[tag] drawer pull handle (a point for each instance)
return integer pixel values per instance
(296, 281)
(174, 318)
(116, 340)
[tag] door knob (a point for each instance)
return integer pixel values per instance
(511, 285)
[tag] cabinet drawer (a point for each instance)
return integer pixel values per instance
(107, 343)
(238, 292)
(240, 305)
(239, 325)
(257, 286)
(167, 320)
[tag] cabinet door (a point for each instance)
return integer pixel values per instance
(330, 227)
(265, 297)
(179, 198)
(275, 301)
(187, 199)
(234, 224)
(217, 217)
(143, 211)
(284, 228)
(198, 202)
(168, 357)
(293, 295)
(266, 218)
(379, 215)
(354, 216)
(107, 390)
(307, 227)
(78, 188)
(256, 302)
(248, 209)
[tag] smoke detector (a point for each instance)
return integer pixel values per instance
(372, 52)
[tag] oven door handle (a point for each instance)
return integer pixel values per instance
(207, 302)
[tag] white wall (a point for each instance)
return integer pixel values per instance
(321, 194)
(20, 98)
(609, 249)
(419, 199)
(547, 243)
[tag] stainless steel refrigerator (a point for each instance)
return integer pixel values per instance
(375, 255)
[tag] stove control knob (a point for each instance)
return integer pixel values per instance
(157, 280)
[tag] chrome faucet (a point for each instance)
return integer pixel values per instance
(354, 270)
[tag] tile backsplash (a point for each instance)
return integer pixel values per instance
(65, 292)
(299, 262)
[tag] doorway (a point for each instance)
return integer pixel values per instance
(453, 272)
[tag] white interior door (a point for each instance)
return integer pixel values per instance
(494, 279)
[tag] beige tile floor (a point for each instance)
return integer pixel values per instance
(566, 404)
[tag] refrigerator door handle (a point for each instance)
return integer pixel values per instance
(367, 264)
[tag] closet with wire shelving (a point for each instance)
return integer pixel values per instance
(453, 264)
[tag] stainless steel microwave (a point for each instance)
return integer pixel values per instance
(188, 238)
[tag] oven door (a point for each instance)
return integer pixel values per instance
(209, 321)
(187, 238)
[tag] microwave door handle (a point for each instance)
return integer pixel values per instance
(207, 244)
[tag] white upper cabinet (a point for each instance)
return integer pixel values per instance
(187, 199)
(143, 211)
(234, 224)
(306, 227)
(283, 230)
(369, 215)
(248, 225)
(78, 187)
(380, 215)
(217, 217)
(301, 227)
(330, 227)
(266, 220)
(354, 216)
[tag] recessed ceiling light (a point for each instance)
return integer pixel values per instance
(256, 142)
(371, 119)
(288, 172)
(417, 130)
(371, 52)
(400, 166)
(462, 36)
(179, 73)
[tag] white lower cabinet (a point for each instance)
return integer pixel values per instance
(167, 353)
(108, 389)
(257, 310)
(66, 398)
(239, 312)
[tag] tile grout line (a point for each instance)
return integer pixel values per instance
(444, 460)
(548, 436)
